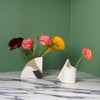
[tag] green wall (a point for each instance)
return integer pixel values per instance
(76, 21)
(28, 19)
(85, 32)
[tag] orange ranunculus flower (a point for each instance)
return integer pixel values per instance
(52, 46)
(86, 52)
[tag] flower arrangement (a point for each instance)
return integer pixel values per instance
(68, 72)
(87, 53)
(27, 47)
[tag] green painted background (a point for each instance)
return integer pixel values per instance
(85, 32)
(28, 19)
(76, 21)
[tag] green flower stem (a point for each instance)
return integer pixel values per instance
(47, 51)
(40, 51)
(31, 54)
(35, 46)
(23, 54)
(78, 61)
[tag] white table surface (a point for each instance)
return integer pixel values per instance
(87, 87)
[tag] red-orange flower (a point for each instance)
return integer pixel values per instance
(53, 47)
(86, 52)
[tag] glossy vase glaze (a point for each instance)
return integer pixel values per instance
(33, 69)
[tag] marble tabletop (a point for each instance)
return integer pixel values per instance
(87, 87)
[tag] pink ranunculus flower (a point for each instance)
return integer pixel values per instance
(84, 52)
(44, 39)
(87, 53)
(27, 44)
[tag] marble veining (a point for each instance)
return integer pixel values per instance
(87, 87)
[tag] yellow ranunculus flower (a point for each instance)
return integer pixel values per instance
(60, 44)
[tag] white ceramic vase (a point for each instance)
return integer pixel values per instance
(68, 73)
(33, 69)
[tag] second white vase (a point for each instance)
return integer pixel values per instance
(68, 73)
